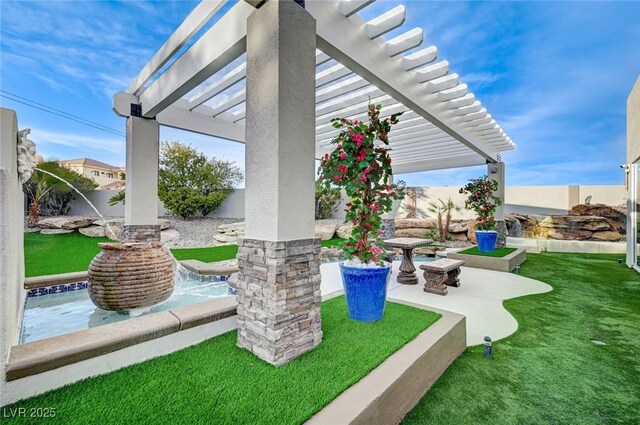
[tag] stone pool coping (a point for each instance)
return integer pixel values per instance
(392, 389)
(500, 264)
(54, 279)
(51, 353)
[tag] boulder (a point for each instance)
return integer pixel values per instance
(93, 231)
(325, 231)
(461, 227)
(113, 232)
(110, 221)
(575, 222)
(164, 223)
(601, 210)
(412, 223)
(566, 234)
(462, 237)
(55, 231)
(169, 235)
(64, 222)
(224, 238)
(412, 233)
(344, 231)
(608, 236)
(471, 232)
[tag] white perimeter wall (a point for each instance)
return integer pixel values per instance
(519, 199)
(232, 207)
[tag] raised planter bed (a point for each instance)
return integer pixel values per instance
(506, 263)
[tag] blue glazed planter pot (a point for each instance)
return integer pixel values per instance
(486, 240)
(366, 291)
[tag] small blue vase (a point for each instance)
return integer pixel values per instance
(486, 240)
(366, 291)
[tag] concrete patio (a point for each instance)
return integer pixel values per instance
(479, 297)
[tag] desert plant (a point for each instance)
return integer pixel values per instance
(481, 199)
(360, 163)
(189, 182)
(117, 198)
(47, 195)
(327, 199)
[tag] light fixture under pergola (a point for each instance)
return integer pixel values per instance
(203, 87)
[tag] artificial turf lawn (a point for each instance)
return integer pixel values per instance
(549, 372)
(216, 382)
(72, 252)
(498, 252)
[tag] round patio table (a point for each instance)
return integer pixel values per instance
(407, 275)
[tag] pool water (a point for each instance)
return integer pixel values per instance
(61, 313)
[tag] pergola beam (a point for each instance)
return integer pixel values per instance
(191, 25)
(438, 164)
(219, 46)
(342, 39)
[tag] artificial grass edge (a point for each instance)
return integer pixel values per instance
(350, 350)
(498, 252)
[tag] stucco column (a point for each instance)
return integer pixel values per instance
(279, 258)
(12, 293)
(141, 190)
(495, 171)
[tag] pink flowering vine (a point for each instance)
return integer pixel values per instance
(360, 163)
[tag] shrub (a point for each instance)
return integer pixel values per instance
(189, 182)
(47, 195)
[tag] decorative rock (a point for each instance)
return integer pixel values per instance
(344, 231)
(164, 223)
(330, 253)
(225, 238)
(55, 231)
(110, 221)
(129, 275)
(607, 236)
(461, 227)
(32, 230)
(93, 231)
(65, 222)
(169, 235)
(577, 222)
(471, 232)
(325, 231)
(412, 233)
(412, 223)
(115, 233)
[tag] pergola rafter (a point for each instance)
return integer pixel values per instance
(204, 89)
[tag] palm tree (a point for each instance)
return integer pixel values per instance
(438, 208)
(441, 208)
(449, 208)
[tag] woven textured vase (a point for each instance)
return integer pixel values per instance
(129, 275)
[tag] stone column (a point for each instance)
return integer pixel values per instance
(141, 190)
(279, 259)
(495, 171)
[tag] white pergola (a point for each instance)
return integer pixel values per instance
(204, 89)
(272, 75)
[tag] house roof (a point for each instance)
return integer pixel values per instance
(90, 163)
(114, 185)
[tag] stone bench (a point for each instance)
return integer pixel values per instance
(441, 273)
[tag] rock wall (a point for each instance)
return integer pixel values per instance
(596, 222)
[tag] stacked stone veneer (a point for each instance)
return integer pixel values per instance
(141, 232)
(501, 228)
(279, 298)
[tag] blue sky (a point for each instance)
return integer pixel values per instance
(554, 75)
